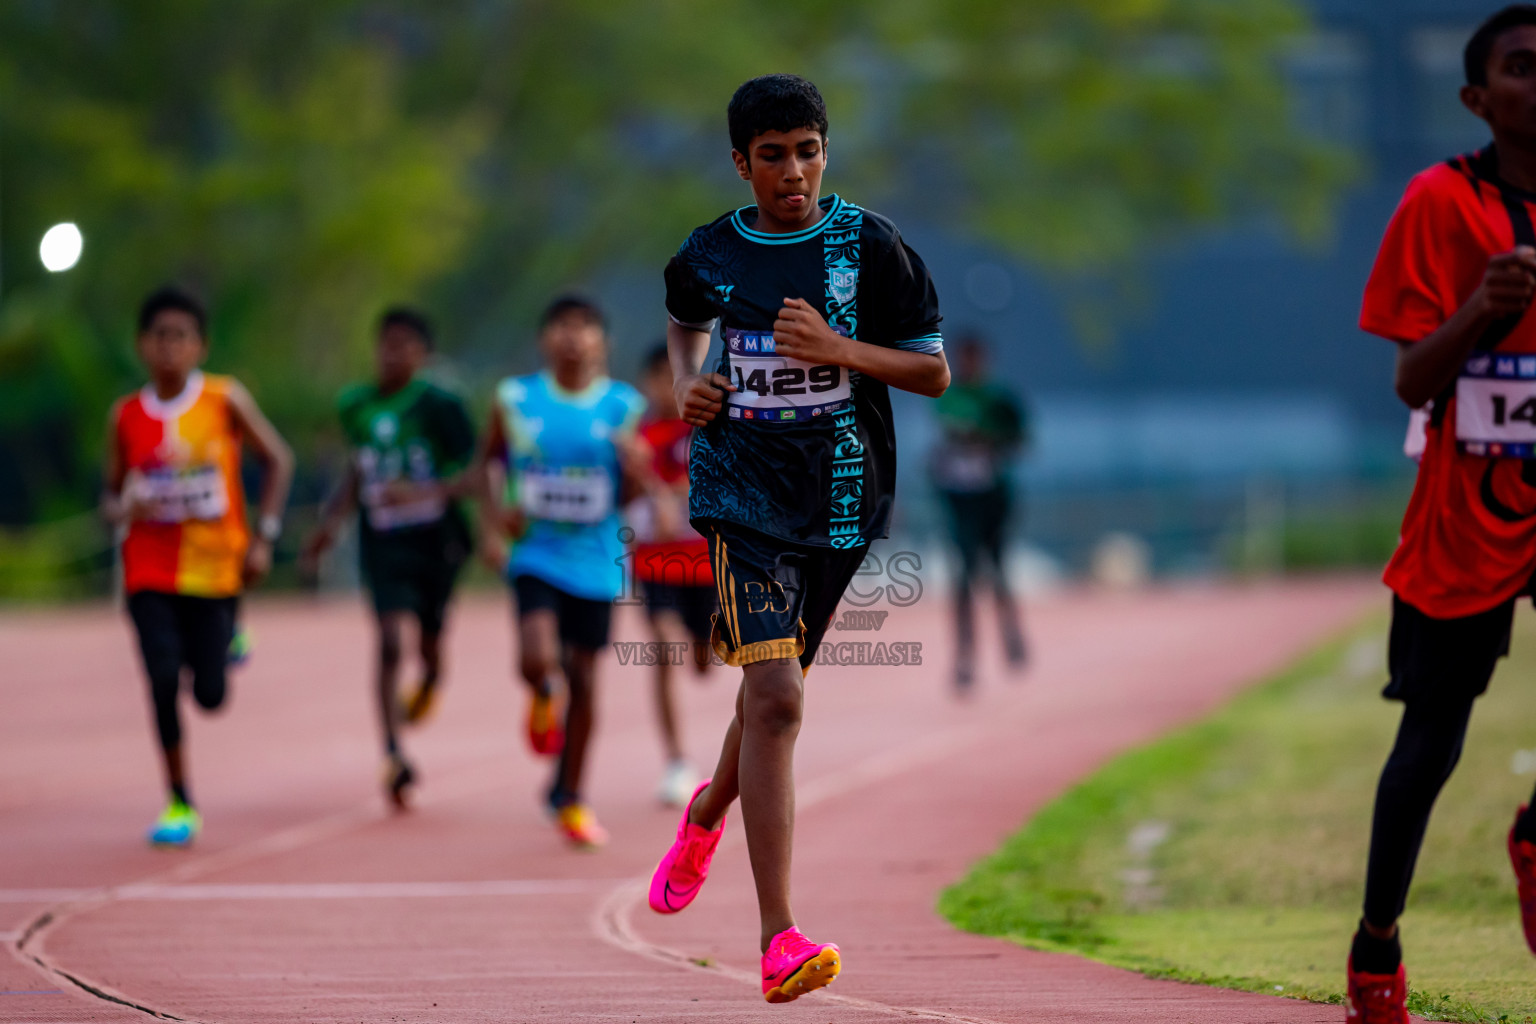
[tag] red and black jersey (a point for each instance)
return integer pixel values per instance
(1469, 535)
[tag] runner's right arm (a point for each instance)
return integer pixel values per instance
(700, 396)
(337, 510)
(496, 519)
(114, 509)
(1426, 367)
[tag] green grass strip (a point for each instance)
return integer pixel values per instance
(1232, 852)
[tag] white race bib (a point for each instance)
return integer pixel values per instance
(384, 518)
(1496, 406)
(965, 468)
(570, 494)
(777, 388)
(176, 495)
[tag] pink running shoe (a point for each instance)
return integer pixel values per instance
(794, 965)
(682, 871)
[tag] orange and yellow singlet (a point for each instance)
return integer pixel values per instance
(182, 458)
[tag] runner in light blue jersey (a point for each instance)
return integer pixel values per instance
(563, 464)
(562, 436)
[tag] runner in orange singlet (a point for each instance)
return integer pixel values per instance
(172, 479)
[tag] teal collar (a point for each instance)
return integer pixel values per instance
(739, 222)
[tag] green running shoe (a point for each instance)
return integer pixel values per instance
(178, 826)
(240, 647)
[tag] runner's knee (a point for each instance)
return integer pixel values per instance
(774, 700)
(209, 686)
(1428, 745)
(534, 668)
(389, 641)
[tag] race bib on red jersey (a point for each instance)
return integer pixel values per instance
(1496, 406)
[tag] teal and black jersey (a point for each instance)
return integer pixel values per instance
(803, 453)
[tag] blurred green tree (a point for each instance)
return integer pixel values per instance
(304, 162)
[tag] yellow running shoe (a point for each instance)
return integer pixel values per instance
(418, 707)
(580, 826)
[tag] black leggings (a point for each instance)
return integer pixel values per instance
(978, 524)
(176, 631)
(1428, 745)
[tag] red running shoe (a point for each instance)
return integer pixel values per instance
(545, 735)
(1522, 857)
(1376, 998)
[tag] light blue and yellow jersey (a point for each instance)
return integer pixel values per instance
(563, 470)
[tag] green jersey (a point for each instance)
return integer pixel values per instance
(419, 434)
(982, 425)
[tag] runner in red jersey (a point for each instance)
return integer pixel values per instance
(1452, 286)
(671, 566)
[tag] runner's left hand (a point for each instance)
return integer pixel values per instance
(493, 553)
(405, 492)
(801, 333)
(258, 561)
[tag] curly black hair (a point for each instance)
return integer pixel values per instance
(171, 297)
(774, 103)
(412, 319)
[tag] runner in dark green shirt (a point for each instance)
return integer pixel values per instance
(410, 441)
(983, 427)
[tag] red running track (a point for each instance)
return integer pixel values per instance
(306, 901)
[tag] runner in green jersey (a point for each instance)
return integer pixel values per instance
(410, 442)
(983, 427)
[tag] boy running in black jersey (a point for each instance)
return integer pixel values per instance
(821, 306)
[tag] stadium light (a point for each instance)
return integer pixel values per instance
(60, 248)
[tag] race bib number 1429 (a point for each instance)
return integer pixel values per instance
(777, 388)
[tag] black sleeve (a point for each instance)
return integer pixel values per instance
(688, 301)
(904, 311)
(455, 432)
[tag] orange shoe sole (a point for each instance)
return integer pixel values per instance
(817, 972)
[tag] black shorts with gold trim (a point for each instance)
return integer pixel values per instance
(777, 598)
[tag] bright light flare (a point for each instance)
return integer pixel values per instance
(61, 247)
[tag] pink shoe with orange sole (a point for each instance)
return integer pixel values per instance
(794, 966)
(681, 873)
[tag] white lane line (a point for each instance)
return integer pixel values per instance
(310, 891)
(612, 922)
(364, 890)
(42, 895)
(29, 945)
(613, 926)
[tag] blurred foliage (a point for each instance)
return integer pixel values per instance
(304, 162)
